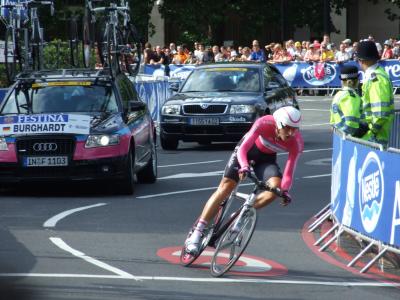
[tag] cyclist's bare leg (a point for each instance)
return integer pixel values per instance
(265, 198)
(225, 187)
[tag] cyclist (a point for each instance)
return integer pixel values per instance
(268, 135)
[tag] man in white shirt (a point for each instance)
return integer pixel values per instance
(342, 55)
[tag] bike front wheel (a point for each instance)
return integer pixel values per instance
(233, 242)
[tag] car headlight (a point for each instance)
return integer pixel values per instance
(242, 109)
(3, 144)
(172, 109)
(102, 140)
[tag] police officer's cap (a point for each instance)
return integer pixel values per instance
(367, 51)
(348, 72)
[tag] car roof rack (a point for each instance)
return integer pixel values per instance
(81, 74)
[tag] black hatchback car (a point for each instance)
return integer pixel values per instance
(76, 125)
(220, 102)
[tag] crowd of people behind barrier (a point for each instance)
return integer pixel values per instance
(315, 51)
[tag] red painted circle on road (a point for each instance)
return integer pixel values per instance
(247, 265)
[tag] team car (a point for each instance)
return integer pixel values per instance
(76, 125)
(220, 102)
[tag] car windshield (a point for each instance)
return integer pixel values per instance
(222, 79)
(55, 97)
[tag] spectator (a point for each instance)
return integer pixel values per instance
(378, 45)
(199, 54)
(208, 56)
(355, 50)
(232, 53)
(217, 55)
(191, 59)
(290, 47)
(268, 52)
(226, 55)
(180, 57)
(158, 57)
(148, 53)
(277, 55)
(348, 48)
(377, 95)
(312, 54)
(197, 51)
(326, 55)
(387, 51)
(396, 49)
(257, 54)
(342, 56)
(246, 54)
(298, 53)
(172, 49)
(326, 40)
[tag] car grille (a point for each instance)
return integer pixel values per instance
(29, 146)
(196, 109)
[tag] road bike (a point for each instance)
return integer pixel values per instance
(23, 42)
(229, 235)
(116, 43)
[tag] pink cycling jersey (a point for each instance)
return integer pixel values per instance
(263, 134)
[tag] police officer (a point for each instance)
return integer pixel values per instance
(346, 105)
(377, 95)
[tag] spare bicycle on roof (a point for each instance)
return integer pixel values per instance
(115, 41)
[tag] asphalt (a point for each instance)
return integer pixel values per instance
(126, 247)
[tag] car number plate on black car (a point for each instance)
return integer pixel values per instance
(45, 161)
(204, 121)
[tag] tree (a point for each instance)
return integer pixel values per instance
(199, 20)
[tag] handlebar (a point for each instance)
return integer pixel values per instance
(265, 186)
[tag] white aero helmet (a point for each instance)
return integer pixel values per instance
(287, 116)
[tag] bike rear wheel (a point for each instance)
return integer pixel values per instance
(232, 243)
(74, 43)
(88, 51)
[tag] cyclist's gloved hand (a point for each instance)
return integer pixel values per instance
(286, 198)
(243, 172)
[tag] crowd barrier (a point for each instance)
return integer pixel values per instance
(152, 91)
(365, 196)
(298, 74)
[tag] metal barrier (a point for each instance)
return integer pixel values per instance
(365, 199)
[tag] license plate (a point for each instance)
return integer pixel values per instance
(45, 161)
(204, 121)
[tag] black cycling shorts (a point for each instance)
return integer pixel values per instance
(265, 165)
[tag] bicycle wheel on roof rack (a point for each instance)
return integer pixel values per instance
(88, 51)
(132, 52)
(114, 47)
(74, 43)
(10, 55)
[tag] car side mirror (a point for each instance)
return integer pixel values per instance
(174, 86)
(136, 106)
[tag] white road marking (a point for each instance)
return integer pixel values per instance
(320, 162)
(190, 175)
(53, 220)
(62, 245)
(311, 125)
(194, 163)
(317, 176)
(209, 280)
(315, 109)
(183, 191)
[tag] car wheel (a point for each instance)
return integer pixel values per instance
(168, 143)
(149, 173)
(126, 185)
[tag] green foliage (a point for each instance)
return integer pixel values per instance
(203, 18)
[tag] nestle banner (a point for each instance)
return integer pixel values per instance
(298, 74)
(365, 192)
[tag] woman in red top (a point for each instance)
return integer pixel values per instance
(387, 51)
